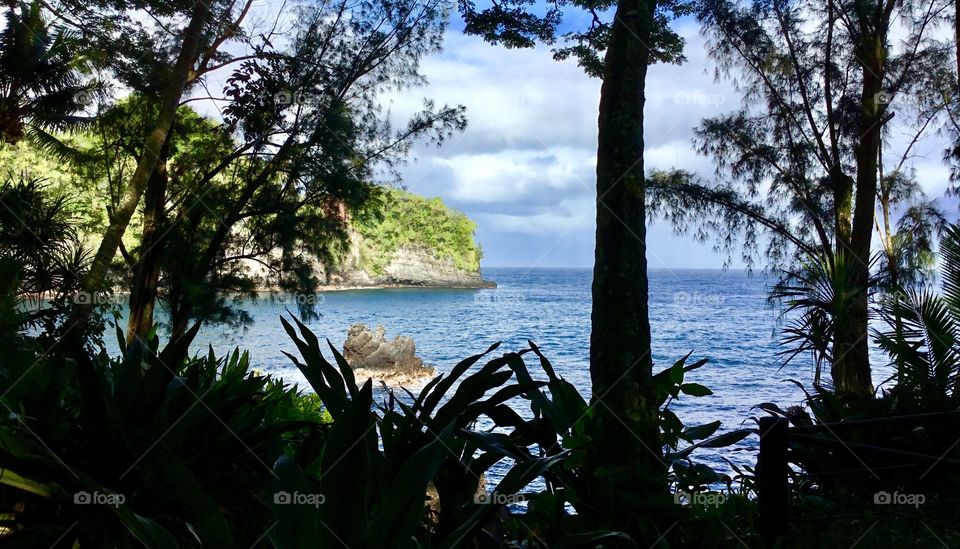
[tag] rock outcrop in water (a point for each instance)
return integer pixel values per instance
(393, 362)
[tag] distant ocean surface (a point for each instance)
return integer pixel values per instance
(722, 316)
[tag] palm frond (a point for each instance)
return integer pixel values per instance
(923, 334)
(950, 266)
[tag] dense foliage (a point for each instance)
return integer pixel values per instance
(162, 448)
(404, 220)
(156, 448)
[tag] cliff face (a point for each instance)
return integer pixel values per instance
(409, 241)
(407, 265)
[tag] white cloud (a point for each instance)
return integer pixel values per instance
(511, 175)
(524, 169)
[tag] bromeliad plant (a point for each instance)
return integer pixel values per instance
(152, 448)
(365, 484)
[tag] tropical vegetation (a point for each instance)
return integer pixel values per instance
(405, 220)
(115, 180)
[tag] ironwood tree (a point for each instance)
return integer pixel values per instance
(628, 489)
(302, 131)
(815, 149)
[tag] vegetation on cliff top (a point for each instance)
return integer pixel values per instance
(405, 220)
(396, 220)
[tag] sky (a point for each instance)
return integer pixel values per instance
(524, 168)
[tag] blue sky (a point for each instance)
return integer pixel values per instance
(524, 167)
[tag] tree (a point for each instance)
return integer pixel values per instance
(803, 159)
(302, 130)
(150, 154)
(43, 77)
(628, 488)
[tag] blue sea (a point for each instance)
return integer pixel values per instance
(723, 316)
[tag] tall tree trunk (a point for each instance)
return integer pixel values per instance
(956, 35)
(842, 206)
(179, 322)
(120, 218)
(630, 478)
(143, 291)
(78, 324)
(851, 368)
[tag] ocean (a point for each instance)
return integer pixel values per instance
(723, 316)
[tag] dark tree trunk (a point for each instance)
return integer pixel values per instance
(179, 324)
(851, 368)
(956, 34)
(629, 484)
(78, 325)
(143, 291)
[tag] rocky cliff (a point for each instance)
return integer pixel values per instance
(409, 241)
(408, 265)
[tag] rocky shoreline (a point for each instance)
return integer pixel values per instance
(409, 267)
(482, 285)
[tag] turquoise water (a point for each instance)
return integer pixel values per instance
(721, 316)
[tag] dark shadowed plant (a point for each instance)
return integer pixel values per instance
(836, 472)
(373, 470)
(154, 449)
(679, 440)
(817, 298)
(708, 511)
(922, 336)
(40, 240)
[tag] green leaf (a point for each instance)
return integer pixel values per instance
(145, 530)
(676, 372)
(727, 439)
(523, 473)
(695, 390)
(197, 505)
(700, 431)
(590, 539)
(400, 512)
(297, 525)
